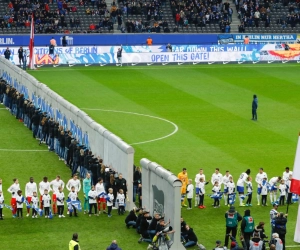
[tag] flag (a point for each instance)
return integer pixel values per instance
(103, 195)
(69, 204)
(295, 188)
(295, 197)
(76, 204)
(9, 207)
(295, 183)
(38, 210)
(27, 204)
(31, 45)
(216, 195)
(50, 214)
(231, 198)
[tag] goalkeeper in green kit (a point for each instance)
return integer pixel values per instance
(86, 188)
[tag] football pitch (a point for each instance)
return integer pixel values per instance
(178, 116)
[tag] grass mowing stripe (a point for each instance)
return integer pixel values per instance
(214, 115)
(225, 93)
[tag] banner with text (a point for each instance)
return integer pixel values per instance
(181, 53)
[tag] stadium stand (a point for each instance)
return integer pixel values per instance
(176, 16)
(56, 17)
(150, 16)
(269, 17)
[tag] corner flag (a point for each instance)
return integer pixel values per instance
(31, 45)
(295, 188)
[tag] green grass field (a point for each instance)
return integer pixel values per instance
(210, 105)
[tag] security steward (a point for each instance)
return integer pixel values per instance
(73, 244)
(232, 219)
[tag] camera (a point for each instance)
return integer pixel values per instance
(165, 230)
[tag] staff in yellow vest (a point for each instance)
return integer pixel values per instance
(183, 176)
(73, 244)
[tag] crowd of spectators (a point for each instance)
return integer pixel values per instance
(202, 13)
(185, 13)
(107, 17)
(257, 14)
(150, 15)
(18, 15)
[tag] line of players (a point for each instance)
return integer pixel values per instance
(93, 195)
(265, 186)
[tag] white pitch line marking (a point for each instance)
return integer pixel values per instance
(155, 67)
(150, 116)
(22, 150)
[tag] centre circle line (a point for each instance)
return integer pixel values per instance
(139, 114)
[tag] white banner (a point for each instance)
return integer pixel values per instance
(165, 57)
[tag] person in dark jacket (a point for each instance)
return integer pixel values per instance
(113, 246)
(234, 244)
(191, 237)
(20, 109)
(144, 224)
(131, 218)
(280, 227)
(7, 53)
(21, 55)
(120, 183)
(183, 230)
(152, 225)
(138, 221)
(110, 181)
(72, 149)
(260, 229)
(137, 179)
(64, 41)
(61, 144)
(139, 193)
(119, 56)
(254, 108)
(35, 119)
(55, 133)
(68, 139)
(51, 134)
